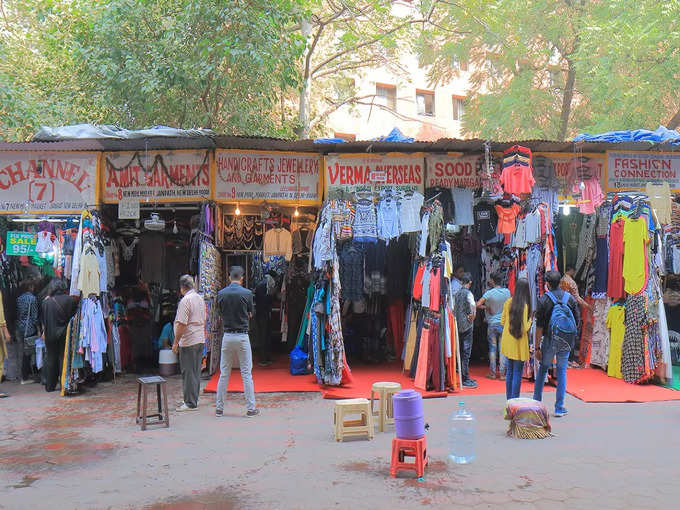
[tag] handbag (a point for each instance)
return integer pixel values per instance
(29, 341)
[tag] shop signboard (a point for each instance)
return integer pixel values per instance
(156, 176)
(47, 182)
(128, 209)
(632, 170)
(265, 175)
(371, 172)
(454, 170)
(21, 243)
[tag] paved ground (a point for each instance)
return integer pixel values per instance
(86, 452)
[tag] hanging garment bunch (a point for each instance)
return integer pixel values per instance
(430, 333)
(88, 267)
(639, 348)
(86, 345)
(325, 345)
(517, 177)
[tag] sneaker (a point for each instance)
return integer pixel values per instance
(252, 413)
(561, 413)
(185, 407)
(470, 383)
(265, 363)
(219, 413)
(28, 381)
(490, 375)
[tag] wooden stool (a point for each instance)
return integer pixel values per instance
(143, 387)
(360, 427)
(384, 391)
(402, 448)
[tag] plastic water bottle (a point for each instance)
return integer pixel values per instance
(462, 436)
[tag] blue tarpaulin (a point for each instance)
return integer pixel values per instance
(661, 135)
(329, 140)
(395, 136)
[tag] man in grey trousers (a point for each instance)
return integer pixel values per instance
(189, 341)
(236, 309)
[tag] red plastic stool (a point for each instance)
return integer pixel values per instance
(402, 448)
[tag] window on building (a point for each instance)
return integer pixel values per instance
(346, 137)
(458, 105)
(386, 95)
(425, 102)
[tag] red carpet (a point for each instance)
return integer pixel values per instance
(594, 385)
(589, 385)
(277, 378)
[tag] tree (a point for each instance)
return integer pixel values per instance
(630, 63)
(549, 69)
(343, 39)
(223, 64)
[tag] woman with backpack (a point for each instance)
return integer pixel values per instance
(516, 323)
(57, 309)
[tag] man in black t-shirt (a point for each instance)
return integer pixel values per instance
(236, 309)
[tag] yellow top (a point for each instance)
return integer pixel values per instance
(616, 319)
(635, 238)
(512, 347)
(2, 314)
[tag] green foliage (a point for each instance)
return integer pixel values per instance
(348, 38)
(223, 64)
(622, 57)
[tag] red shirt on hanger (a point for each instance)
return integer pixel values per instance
(506, 218)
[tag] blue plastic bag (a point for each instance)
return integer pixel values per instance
(298, 361)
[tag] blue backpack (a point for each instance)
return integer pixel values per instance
(562, 323)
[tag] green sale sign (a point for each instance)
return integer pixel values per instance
(21, 243)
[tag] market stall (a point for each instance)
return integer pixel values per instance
(42, 194)
(267, 214)
(161, 226)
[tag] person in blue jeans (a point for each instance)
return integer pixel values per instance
(492, 302)
(549, 349)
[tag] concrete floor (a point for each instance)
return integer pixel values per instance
(86, 452)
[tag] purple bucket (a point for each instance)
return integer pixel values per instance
(409, 415)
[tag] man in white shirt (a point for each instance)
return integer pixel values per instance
(189, 341)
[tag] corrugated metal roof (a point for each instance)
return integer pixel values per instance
(475, 145)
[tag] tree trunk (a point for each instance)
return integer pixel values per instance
(305, 92)
(567, 100)
(675, 121)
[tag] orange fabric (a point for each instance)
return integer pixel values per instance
(506, 218)
(418, 282)
(517, 179)
(420, 381)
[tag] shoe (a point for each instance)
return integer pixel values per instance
(502, 377)
(561, 413)
(219, 413)
(265, 363)
(28, 381)
(490, 375)
(185, 407)
(252, 413)
(470, 383)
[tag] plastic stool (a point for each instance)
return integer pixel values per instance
(362, 426)
(402, 448)
(384, 391)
